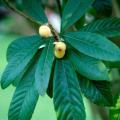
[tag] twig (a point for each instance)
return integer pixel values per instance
(54, 32)
(19, 12)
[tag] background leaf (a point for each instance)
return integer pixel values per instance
(25, 97)
(91, 44)
(33, 8)
(44, 68)
(98, 92)
(114, 114)
(109, 27)
(115, 111)
(21, 59)
(73, 11)
(103, 7)
(89, 67)
(66, 96)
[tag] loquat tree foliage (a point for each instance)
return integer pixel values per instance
(64, 65)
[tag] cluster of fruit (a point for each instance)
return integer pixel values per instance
(60, 47)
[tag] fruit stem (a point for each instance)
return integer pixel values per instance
(55, 33)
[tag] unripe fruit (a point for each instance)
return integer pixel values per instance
(44, 31)
(60, 49)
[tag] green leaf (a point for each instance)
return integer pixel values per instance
(114, 114)
(25, 97)
(16, 81)
(21, 44)
(66, 93)
(115, 111)
(50, 86)
(73, 11)
(20, 59)
(93, 45)
(89, 67)
(33, 9)
(98, 92)
(103, 8)
(44, 68)
(107, 27)
(113, 65)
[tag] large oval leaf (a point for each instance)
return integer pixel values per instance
(108, 27)
(25, 97)
(44, 68)
(93, 45)
(19, 61)
(98, 92)
(66, 93)
(89, 67)
(73, 10)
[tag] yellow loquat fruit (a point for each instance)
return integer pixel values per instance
(60, 48)
(44, 31)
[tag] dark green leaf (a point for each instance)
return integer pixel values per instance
(36, 56)
(108, 27)
(93, 45)
(50, 86)
(21, 44)
(73, 11)
(25, 97)
(33, 8)
(89, 67)
(66, 93)
(114, 114)
(44, 68)
(20, 59)
(98, 92)
(103, 7)
(100, 5)
(113, 64)
(115, 111)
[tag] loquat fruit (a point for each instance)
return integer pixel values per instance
(44, 31)
(60, 48)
